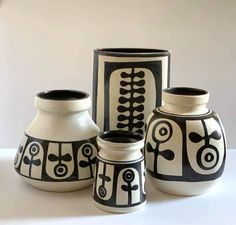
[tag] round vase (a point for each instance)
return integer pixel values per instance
(120, 174)
(127, 85)
(185, 145)
(59, 148)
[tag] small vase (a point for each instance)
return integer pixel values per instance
(120, 174)
(127, 85)
(185, 144)
(59, 148)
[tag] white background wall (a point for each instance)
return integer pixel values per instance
(48, 44)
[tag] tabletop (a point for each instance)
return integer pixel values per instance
(23, 204)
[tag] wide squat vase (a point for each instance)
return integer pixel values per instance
(127, 85)
(185, 143)
(59, 148)
(120, 174)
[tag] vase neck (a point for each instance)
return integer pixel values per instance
(185, 101)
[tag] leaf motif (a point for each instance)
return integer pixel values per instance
(150, 148)
(140, 83)
(67, 157)
(37, 162)
(195, 137)
(139, 74)
(122, 108)
(123, 100)
(135, 187)
(167, 154)
(27, 160)
(121, 125)
(125, 75)
(53, 158)
(83, 164)
(103, 177)
(124, 91)
(139, 90)
(125, 187)
(215, 135)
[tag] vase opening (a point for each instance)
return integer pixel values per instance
(185, 91)
(118, 136)
(63, 95)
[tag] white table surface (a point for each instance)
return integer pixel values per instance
(23, 204)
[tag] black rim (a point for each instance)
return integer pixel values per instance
(131, 52)
(121, 136)
(63, 95)
(185, 91)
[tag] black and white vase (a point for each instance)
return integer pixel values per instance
(59, 148)
(120, 174)
(185, 143)
(127, 85)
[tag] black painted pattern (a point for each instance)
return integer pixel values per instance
(89, 150)
(207, 156)
(126, 170)
(132, 84)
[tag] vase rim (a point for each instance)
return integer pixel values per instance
(121, 138)
(132, 52)
(63, 100)
(186, 91)
(63, 95)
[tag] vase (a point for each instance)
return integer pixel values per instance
(185, 144)
(120, 174)
(127, 85)
(59, 148)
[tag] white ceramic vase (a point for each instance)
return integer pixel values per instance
(59, 148)
(185, 143)
(120, 174)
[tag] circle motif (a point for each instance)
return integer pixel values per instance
(34, 149)
(87, 150)
(60, 170)
(102, 191)
(162, 131)
(128, 176)
(207, 157)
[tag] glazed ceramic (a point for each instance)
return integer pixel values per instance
(120, 174)
(127, 85)
(185, 143)
(59, 147)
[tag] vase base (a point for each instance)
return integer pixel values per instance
(181, 188)
(119, 209)
(59, 186)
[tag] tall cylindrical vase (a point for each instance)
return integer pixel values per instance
(127, 85)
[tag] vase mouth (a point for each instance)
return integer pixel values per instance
(186, 91)
(185, 100)
(132, 52)
(62, 95)
(63, 101)
(121, 136)
(121, 140)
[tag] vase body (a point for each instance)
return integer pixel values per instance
(120, 174)
(127, 85)
(185, 143)
(58, 150)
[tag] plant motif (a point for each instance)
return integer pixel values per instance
(161, 133)
(87, 152)
(102, 189)
(61, 169)
(207, 155)
(128, 176)
(134, 98)
(33, 151)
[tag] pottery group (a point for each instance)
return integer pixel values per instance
(139, 124)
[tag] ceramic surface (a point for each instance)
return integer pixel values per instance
(185, 143)
(120, 173)
(58, 150)
(127, 86)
